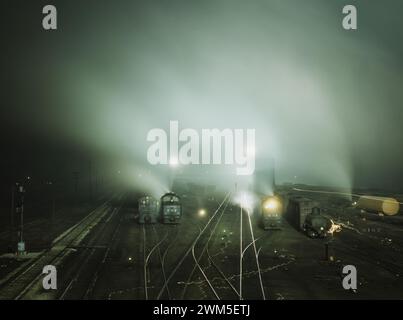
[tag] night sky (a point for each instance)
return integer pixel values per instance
(326, 103)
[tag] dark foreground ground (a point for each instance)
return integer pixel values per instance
(108, 255)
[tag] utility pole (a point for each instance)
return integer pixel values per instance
(12, 213)
(20, 209)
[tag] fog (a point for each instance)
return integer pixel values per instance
(326, 103)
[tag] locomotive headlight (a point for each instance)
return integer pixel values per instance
(270, 204)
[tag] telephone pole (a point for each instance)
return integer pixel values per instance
(20, 210)
(12, 213)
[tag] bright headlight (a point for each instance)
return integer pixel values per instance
(270, 204)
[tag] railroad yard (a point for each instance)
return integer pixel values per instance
(222, 254)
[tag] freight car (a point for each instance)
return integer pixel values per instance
(387, 206)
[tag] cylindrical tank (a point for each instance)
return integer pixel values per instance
(388, 206)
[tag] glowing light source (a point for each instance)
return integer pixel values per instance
(270, 204)
(334, 228)
(202, 212)
(246, 200)
(173, 162)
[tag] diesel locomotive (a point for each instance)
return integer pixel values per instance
(148, 210)
(171, 208)
(271, 212)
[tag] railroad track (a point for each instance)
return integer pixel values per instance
(255, 252)
(187, 253)
(211, 272)
(93, 281)
(24, 284)
(163, 256)
(147, 254)
(89, 260)
(368, 256)
(219, 285)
